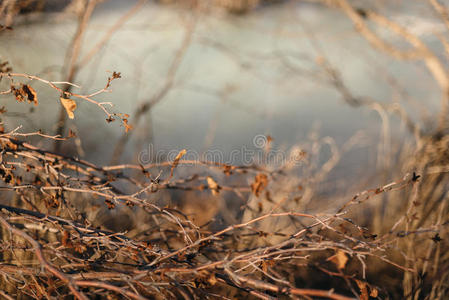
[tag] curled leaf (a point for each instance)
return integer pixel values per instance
(69, 105)
(4, 68)
(25, 92)
(18, 93)
(30, 93)
(116, 75)
(213, 185)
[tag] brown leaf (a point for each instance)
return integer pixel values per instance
(374, 292)
(80, 248)
(339, 259)
(69, 105)
(227, 170)
(264, 266)
(3, 27)
(110, 204)
(24, 92)
(260, 182)
(72, 134)
(116, 75)
(176, 160)
(66, 242)
(18, 93)
(30, 93)
(4, 68)
(363, 289)
(212, 279)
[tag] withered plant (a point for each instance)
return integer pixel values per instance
(386, 242)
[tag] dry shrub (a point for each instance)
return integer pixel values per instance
(71, 228)
(54, 243)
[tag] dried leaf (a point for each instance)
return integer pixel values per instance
(4, 68)
(18, 93)
(72, 134)
(80, 248)
(177, 159)
(339, 259)
(69, 105)
(363, 289)
(260, 182)
(3, 27)
(264, 266)
(212, 279)
(213, 186)
(110, 204)
(227, 170)
(30, 93)
(116, 75)
(66, 242)
(24, 92)
(436, 238)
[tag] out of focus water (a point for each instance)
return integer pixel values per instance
(241, 76)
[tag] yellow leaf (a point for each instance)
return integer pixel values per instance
(212, 280)
(374, 292)
(339, 259)
(69, 105)
(214, 187)
(363, 290)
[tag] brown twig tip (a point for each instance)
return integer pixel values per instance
(115, 75)
(176, 161)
